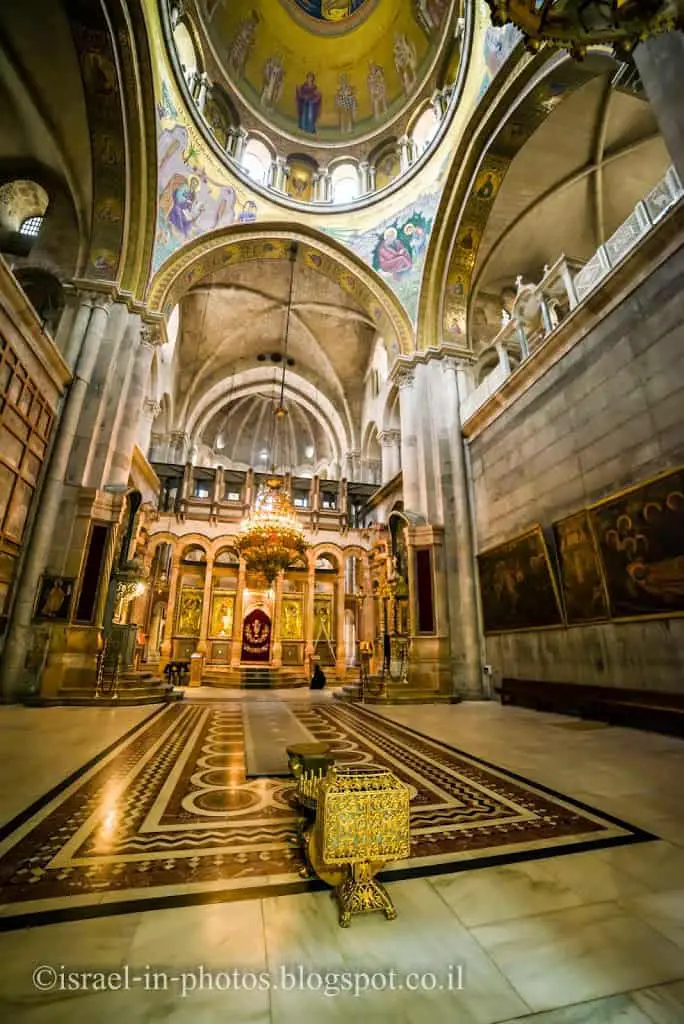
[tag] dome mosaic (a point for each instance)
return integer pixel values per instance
(327, 71)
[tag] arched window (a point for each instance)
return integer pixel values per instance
(31, 226)
(345, 183)
(424, 130)
(257, 161)
(185, 49)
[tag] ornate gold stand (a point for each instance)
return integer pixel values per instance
(361, 823)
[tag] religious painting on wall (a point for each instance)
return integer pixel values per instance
(323, 619)
(189, 611)
(54, 599)
(640, 536)
(222, 611)
(517, 585)
(584, 592)
(256, 636)
(291, 619)
(300, 179)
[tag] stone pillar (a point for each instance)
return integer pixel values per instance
(276, 646)
(323, 187)
(236, 646)
(146, 439)
(371, 178)
(79, 326)
(340, 654)
(404, 153)
(186, 487)
(364, 177)
(279, 174)
(660, 62)
(204, 85)
(390, 441)
(405, 378)
(240, 143)
(459, 543)
(131, 407)
(202, 645)
(170, 624)
(40, 542)
(309, 612)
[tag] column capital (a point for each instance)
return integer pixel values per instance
(151, 408)
(404, 377)
(151, 334)
(389, 438)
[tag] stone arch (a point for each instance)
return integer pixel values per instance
(512, 110)
(216, 249)
(252, 382)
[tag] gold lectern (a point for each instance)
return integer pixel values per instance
(361, 823)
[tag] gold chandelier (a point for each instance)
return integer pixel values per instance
(577, 24)
(270, 537)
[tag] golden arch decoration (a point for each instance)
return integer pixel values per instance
(242, 243)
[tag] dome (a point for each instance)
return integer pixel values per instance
(326, 71)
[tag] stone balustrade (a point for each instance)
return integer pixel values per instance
(539, 309)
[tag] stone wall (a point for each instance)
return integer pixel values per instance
(609, 413)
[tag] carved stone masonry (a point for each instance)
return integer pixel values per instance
(151, 408)
(150, 334)
(389, 438)
(405, 377)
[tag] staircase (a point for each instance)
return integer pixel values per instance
(392, 691)
(129, 690)
(254, 677)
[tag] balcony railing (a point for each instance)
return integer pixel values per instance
(539, 309)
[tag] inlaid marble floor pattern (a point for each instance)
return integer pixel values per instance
(589, 936)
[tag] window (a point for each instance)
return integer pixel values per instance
(328, 501)
(31, 227)
(256, 161)
(301, 499)
(233, 496)
(345, 183)
(425, 130)
(201, 490)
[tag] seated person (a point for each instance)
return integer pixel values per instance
(318, 678)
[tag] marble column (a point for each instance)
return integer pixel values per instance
(390, 441)
(79, 327)
(202, 645)
(131, 407)
(309, 613)
(204, 85)
(461, 563)
(170, 624)
(404, 153)
(236, 645)
(146, 439)
(405, 378)
(240, 143)
(340, 655)
(39, 545)
(364, 177)
(276, 645)
(660, 62)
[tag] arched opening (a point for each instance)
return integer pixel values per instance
(345, 183)
(256, 161)
(424, 130)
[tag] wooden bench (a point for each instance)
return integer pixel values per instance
(638, 709)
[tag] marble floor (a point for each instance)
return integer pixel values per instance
(591, 936)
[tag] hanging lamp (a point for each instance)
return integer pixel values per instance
(270, 536)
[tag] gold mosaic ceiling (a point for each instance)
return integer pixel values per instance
(327, 70)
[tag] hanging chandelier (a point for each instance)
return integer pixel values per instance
(577, 24)
(270, 537)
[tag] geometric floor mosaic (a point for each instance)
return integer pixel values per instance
(167, 816)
